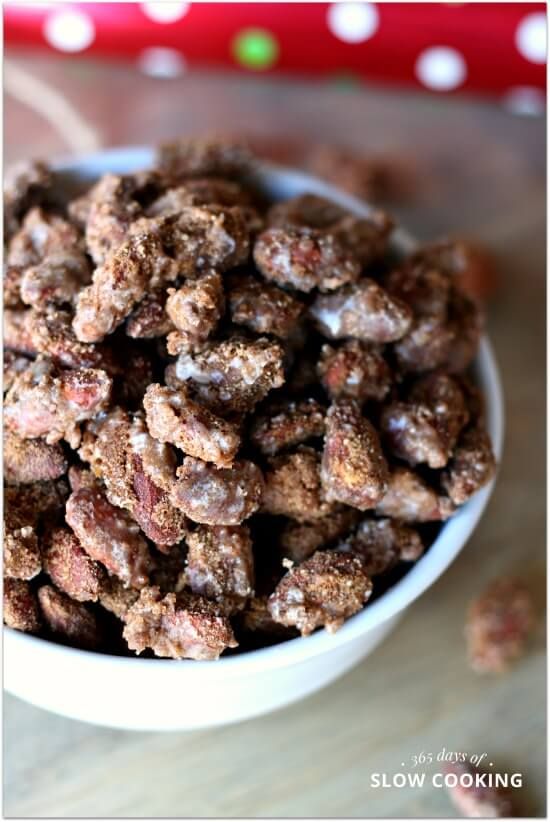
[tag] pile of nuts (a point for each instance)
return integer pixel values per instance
(228, 421)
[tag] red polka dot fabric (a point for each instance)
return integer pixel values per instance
(496, 49)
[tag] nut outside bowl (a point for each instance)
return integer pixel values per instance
(170, 695)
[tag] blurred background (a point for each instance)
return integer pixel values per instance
(436, 112)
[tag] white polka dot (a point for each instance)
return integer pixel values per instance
(531, 37)
(441, 68)
(69, 30)
(165, 12)
(352, 22)
(161, 62)
(525, 100)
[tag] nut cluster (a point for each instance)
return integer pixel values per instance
(228, 421)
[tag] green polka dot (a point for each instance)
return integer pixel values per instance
(255, 49)
(347, 81)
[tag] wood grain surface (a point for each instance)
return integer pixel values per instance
(480, 172)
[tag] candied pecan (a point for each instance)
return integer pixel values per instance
(109, 536)
(206, 190)
(26, 185)
(12, 286)
(217, 496)
(205, 237)
(173, 417)
(232, 375)
(472, 465)
(43, 235)
(356, 370)
(304, 258)
(262, 307)
(43, 402)
(115, 597)
(21, 606)
(73, 621)
(121, 282)
(424, 287)
(51, 333)
(21, 552)
(476, 797)
(31, 460)
(287, 424)
(14, 365)
(363, 310)
(149, 320)
(325, 590)
(70, 568)
(293, 486)
(354, 470)
(382, 543)
(188, 157)
(112, 207)
(16, 335)
(427, 345)
(37, 501)
(299, 540)
(138, 472)
(410, 499)
(220, 565)
(57, 279)
(426, 427)
(196, 308)
(498, 625)
(180, 626)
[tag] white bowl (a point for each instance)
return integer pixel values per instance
(153, 694)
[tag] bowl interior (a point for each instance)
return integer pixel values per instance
(281, 183)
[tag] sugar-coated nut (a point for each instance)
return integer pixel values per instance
(382, 543)
(425, 427)
(356, 370)
(72, 621)
(109, 536)
(174, 418)
(220, 565)
(263, 307)
(70, 568)
(293, 486)
(304, 259)
(115, 597)
(20, 607)
(197, 306)
(31, 460)
(498, 625)
(180, 626)
(26, 184)
(472, 465)
(138, 472)
(325, 590)
(233, 375)
(410, 499)
(364, 310)
(286, 425)
(354, 470)
(217, 496)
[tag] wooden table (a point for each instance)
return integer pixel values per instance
(481, 173)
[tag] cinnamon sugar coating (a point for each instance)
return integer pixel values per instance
(180, 626)
(230, 385)
(217, 496)
(354, 469)
(498, 625)
(324, 590)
